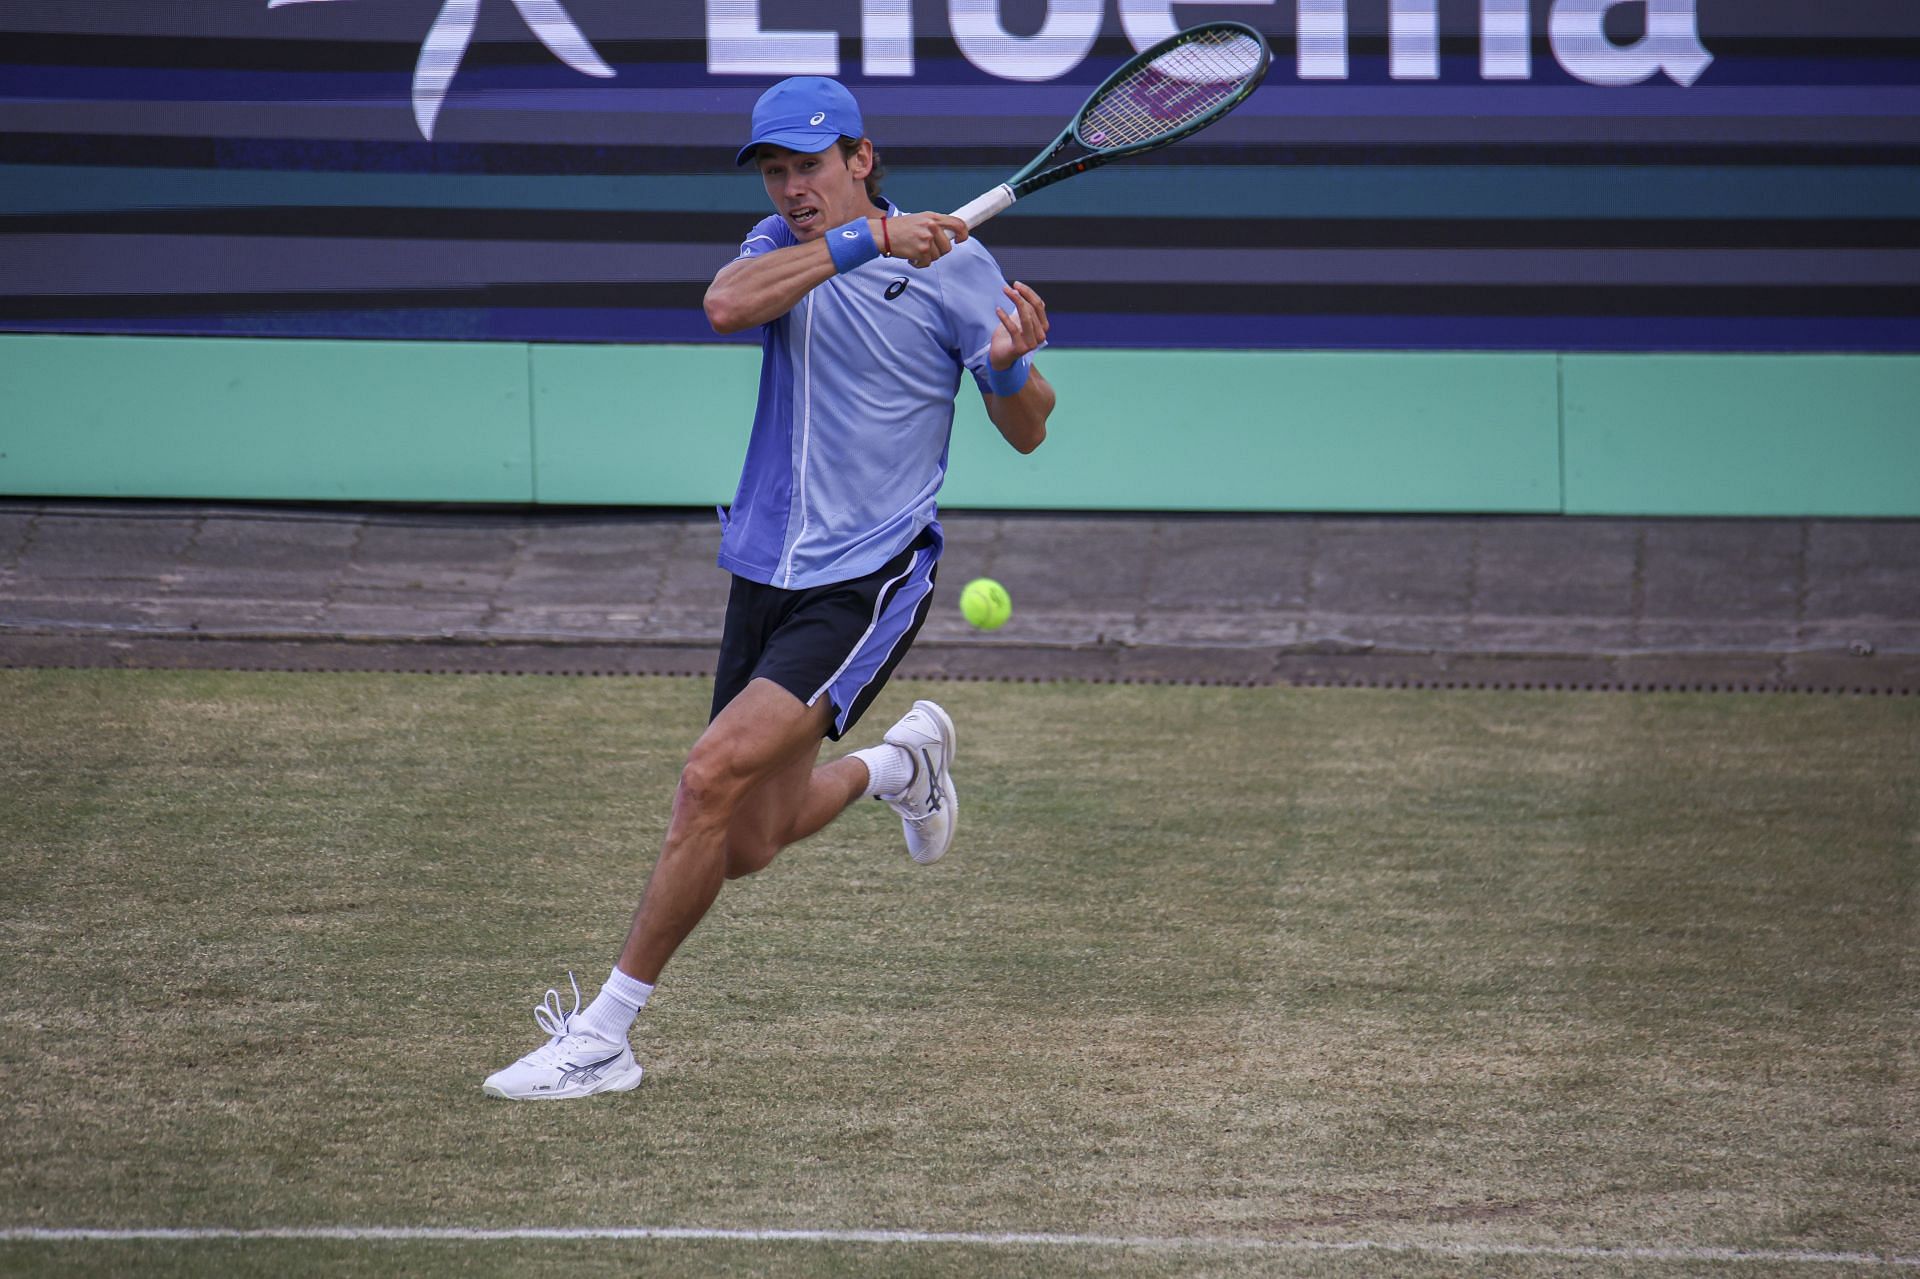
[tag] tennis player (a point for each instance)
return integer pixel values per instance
(868, 316)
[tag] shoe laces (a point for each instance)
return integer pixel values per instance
(564, 1045)
(549, 1016)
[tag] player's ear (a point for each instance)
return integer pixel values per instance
(860, 163)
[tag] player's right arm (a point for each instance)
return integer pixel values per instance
(758, 287)
(755, 289)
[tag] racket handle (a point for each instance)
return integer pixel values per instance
(980, 208)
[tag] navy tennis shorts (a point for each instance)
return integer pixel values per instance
(839, 641)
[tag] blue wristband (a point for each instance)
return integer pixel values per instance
(852, 245)
(1009, 381)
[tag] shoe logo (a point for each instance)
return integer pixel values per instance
(896, 287)
(587, 1072)
(933, 783)
(818, 116)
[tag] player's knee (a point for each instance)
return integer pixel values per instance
(712, 780)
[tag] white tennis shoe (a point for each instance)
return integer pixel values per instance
(929, 809)
(572, 1063)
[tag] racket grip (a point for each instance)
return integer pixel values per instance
(982, 207)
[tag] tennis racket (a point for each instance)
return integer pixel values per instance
(1176, 88)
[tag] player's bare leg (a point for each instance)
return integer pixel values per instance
(749, 789)
(762, 734)
(790, 806)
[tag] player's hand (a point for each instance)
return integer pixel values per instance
(921, 238)
(1020, 332)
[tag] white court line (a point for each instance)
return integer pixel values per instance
(407, 1234)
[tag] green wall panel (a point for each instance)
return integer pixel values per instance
(1167, 430)
(1148, 430)
(233, 418)
(642, 425)
(1742, 435)
(1244, 430)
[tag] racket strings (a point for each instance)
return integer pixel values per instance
(1182, 85)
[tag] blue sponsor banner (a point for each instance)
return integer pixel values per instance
(1421, 174)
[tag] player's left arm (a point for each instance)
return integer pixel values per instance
(1022, 415)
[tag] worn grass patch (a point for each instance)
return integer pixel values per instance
(1428, 968)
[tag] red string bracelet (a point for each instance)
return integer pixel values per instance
(886, 241)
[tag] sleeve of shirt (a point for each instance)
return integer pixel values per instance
(768, 234)
(970, 288)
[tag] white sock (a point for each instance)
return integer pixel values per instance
(889, 768)
(612, 1011)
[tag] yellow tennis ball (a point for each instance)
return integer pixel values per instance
(986, 603)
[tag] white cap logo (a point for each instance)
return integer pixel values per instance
(818, 116)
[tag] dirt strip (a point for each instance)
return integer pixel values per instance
(1012, 662)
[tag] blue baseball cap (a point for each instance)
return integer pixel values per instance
(807, 113)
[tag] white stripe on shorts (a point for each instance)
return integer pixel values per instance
(879, 607)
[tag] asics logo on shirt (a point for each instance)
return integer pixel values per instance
(895, 287)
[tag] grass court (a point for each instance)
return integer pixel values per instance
(1268, 981)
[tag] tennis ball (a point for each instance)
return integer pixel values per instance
(986, 603)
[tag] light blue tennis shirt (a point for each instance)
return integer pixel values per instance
(857, 384)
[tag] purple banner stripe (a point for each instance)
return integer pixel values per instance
(483, 118)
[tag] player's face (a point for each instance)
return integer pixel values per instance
(817, 191)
